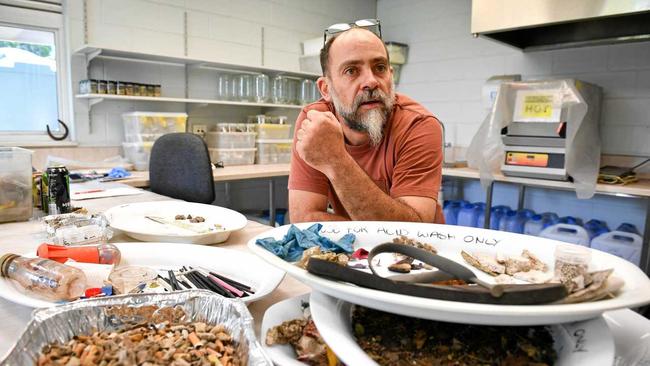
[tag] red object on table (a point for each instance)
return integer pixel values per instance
(94, 291)
(60, 253)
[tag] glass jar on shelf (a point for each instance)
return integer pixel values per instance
(280, 90)
(293, 87)
(120, 88)
(234, 88)
(315, 92)
(262, 88)
(306, 91)
(245, 88)
(224, 86)
(102, 87)
(111, 87)
(129, 89)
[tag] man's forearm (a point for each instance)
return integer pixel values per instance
(361, 197)
(321, 216)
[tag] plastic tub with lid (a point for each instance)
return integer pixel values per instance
(138, 126)
(271, 131)
(568, 233)
(273, 151)
(15, 184)
(621, 244)
(231, 157)
(230, 140)
(138, 153)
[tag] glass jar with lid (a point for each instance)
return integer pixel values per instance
(120, 88)
(111, 87)
(102, 87)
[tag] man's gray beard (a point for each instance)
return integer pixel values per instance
(371, 121)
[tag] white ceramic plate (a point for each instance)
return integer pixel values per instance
(581, 343)
(240, 266)
(282, 311)
(631, 336)
(449, 240)
(131, 219)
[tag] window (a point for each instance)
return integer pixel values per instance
(33, 76)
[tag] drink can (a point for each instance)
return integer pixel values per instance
(55, 190)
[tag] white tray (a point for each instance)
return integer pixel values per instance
(237, 265)
(130, 218)
(449, 240)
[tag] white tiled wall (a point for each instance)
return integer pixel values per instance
(447, 67)
(218, 30)
(446, 70)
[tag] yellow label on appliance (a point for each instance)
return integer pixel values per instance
(537, 106)
(527, 159)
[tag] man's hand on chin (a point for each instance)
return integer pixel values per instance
(320, 141)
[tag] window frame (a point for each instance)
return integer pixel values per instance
(50, 22)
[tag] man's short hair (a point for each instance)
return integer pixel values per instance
(325, 51)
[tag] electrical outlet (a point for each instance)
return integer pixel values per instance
(199, 129)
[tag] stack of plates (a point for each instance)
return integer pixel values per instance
(332, 300)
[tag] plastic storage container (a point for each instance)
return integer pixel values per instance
(514, 221)
(468, 215)
(235, 127)
(549, 218)
(451, 212)
(148, 126)
(621, 244)
(567, 233)
(628, 228)
(233, 156)
(496, 213)
(230, 140)
(534, 225)
(268, 131)
(138, 153)
(15, 184)
(273, 151)
(595, 228)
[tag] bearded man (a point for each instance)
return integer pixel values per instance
(362, 150)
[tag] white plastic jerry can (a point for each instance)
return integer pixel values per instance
(621, 244)
(568, 233)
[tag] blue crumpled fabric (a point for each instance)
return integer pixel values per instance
(118, 173)
(296, 241)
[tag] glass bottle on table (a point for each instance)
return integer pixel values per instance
(45, 277)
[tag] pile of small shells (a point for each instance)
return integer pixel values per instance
(147, 344)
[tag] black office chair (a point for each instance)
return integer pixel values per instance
(180, 167)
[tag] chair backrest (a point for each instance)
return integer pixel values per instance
(180, 167)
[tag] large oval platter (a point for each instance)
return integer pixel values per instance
(449, 241)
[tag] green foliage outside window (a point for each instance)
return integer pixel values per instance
(37, 49)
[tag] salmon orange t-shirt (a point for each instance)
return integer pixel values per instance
(407, 162)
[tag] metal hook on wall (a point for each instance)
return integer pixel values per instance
(58, 138)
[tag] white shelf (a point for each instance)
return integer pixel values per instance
(96, 98)
(91, 52)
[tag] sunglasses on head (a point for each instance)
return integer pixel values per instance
(369, 24)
